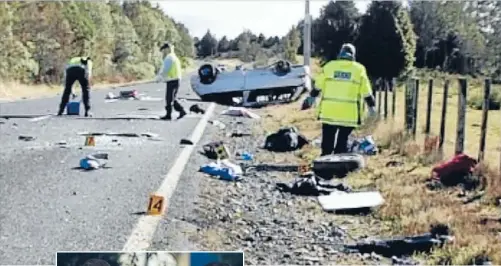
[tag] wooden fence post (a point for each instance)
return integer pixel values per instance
(460, 128)
(485, 113)
(379, 100)
(393, 88)
(385, 99)
(409, 102)
(415, 107)
(428, 107)
(443, 118)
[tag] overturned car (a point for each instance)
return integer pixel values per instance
(279, 82)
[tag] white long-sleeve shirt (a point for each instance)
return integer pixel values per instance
(166, 65)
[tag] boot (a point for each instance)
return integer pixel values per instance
(180, 109)
(168, 115)
(88, 114)
(182, 113)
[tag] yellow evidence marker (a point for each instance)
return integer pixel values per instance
(90, 141)
(221, 152)
(155, 205)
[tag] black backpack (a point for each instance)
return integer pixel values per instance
(285, 139)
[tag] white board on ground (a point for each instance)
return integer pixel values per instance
(355, 200)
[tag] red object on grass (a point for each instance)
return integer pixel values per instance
(460, 164)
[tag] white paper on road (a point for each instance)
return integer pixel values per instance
(354, 200)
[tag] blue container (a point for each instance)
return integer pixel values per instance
(73, 108)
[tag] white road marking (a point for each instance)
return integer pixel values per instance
(142, 234)
(38, 118)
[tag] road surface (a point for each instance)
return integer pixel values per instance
(47, 205)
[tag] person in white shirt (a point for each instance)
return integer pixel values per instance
(171, 72)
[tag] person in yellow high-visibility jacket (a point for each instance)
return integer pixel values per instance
(78, 68)
(170, 72)
(343, 84)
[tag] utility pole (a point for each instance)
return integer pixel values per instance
(307, 34)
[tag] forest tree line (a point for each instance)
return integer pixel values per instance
(123, 39)
(392, 39)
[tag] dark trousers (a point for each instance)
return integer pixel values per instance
(170, 97)
(329, 136)
(73, 74)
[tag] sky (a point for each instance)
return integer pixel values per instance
(232, 17)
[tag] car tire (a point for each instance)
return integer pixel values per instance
(207, 74)
(337, 165)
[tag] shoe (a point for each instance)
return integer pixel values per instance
(181, 114)
(60, 113)
(166, 117)
(88, 114)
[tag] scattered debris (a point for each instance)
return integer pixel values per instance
(310, 186)
(338, 165)
(26, 138)
(365, 145)
(223, 169)
(216, 150)
(218, 124)
(186, 142)
(349, 201)
(111, 96)
(308, 103)
(240, 111)
(128, 94)
(404, 246)
(94, 161)
(238, 134)
(128, 135)
(285, 139)
(143, 109)
(196, 109)
(394, 164)
(403, 261)
(458, 170)
(246, 156)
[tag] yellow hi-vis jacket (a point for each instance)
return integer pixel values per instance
(343, 85)
(76, 61)
(171, 68)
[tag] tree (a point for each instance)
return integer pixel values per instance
(208, 45)
(223, 45)
(291, 44)
(386, 41)
(337, 24)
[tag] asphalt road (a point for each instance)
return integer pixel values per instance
(46, 205)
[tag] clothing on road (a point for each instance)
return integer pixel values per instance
(343, 83)
(78, 69)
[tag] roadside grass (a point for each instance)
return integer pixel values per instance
(13, 90)
(410, 207)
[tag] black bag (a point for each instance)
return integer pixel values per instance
(286, 139)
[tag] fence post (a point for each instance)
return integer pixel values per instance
(443, 118)
(385, 99)
(460, 128)
(409, 101)
(393, 88)
(485, 113)
(428, 107)
(379, 99)
(415, 107)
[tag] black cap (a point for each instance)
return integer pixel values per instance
(165, 45)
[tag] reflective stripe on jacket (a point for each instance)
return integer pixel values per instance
(343, 85)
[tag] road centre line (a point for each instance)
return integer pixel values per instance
(143, 233)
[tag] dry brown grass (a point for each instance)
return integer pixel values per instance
(410, 207)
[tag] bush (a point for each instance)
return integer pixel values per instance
(476, 99)
(142, 70)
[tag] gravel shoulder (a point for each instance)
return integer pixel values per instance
(271, 227)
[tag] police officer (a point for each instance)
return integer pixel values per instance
(78, 68)
(170, 72)
(343, 83)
